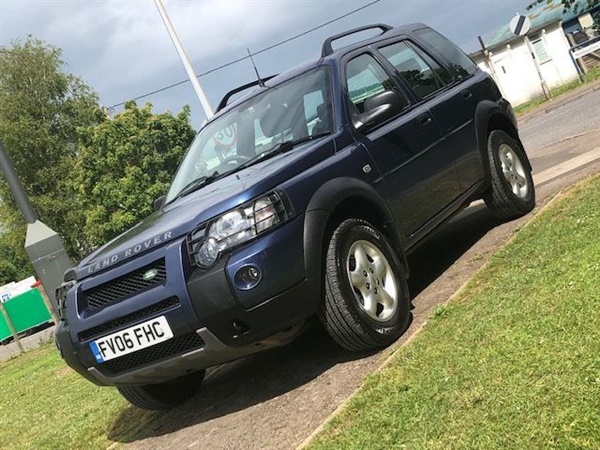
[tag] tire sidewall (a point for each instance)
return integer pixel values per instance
(350, 232)
(496, 139)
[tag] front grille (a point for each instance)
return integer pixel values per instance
(175, 346)
(132, 318)
(125, 286)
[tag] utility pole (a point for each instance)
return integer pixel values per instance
(543, 83)
(208, 112)
(488, 59)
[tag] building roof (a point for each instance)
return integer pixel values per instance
(541, 15)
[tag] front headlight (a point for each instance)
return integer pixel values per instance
(236, 227)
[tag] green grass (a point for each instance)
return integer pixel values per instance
(46, 405)
(592, 75)
(512, 362)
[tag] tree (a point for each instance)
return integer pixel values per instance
(13, 266)
(41, 108)
(126, 163)
(567, 4)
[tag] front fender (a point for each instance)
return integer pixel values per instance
(323, 210)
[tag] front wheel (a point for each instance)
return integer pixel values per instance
(367, 304)
(163, 396)
(512, 193)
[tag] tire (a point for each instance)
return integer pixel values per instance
(163, 396)
(361, 265)
(512, 192)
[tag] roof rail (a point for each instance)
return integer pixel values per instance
(328, 50)
(231, 93)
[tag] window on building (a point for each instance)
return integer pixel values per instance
(540, 50)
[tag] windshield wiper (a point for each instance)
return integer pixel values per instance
(282, 147)
(196, 184)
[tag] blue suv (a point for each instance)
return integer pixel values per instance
(299, 199)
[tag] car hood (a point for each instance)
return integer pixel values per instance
(183, 215)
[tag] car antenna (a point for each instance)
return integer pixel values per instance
(261, 83)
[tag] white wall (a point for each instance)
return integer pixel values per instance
(560, 69)
(515, 70)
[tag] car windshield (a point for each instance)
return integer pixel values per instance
(288, 112)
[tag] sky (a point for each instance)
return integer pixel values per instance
(122, 49)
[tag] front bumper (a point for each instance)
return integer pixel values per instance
(213, 353)
(212, 322)
(210, 351)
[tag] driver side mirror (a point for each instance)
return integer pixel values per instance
(159, 202)
(379, 108)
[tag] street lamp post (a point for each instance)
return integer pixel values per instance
(208, 112)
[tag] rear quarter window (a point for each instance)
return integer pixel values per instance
(458, 59)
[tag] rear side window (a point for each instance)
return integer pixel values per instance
(463, 65)
(421, 72)
(366, 78)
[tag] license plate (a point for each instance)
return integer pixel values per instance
(131, 339)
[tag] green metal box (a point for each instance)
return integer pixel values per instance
(25, 311)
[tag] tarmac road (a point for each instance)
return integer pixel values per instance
(275, 400)
(564, 131)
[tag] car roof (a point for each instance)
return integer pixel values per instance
(331, 59)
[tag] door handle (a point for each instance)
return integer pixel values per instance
(466, 94)
(424, 119)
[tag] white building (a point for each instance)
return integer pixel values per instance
(509, 58)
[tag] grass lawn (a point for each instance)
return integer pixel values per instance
(512, 362)
(46, 405)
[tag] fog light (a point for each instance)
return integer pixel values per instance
(247, 277)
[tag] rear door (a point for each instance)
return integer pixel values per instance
(455, 108)
(451, 103)
(418, 179)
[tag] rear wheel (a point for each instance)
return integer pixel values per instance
(366, 304)
(512, 193)
(164, 395)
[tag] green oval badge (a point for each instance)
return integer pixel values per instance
(150, 275)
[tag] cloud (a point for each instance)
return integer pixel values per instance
(122, 49)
